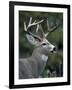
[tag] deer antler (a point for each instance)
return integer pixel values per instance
(44, 35)
(32, 24)
(51, 29)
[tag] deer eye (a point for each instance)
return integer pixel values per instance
(44, 44)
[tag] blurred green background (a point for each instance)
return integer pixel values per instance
(54, 66)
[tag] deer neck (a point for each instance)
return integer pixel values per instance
(40, 60)
(39, 56)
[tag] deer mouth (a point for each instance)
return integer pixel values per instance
(53, 50)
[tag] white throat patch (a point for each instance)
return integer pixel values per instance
(44, 57)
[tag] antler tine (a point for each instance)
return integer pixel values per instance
(48, 28)
(25, 28)
(30, 20)
(48, 24)
(42, 31)
(37, 28)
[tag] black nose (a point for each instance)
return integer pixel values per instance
(54, 49)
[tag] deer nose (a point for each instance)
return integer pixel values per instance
(54, 49)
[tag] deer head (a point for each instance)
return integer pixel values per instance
(42, 45)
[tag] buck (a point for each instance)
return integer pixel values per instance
(33, 66)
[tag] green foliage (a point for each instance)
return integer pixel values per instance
(57, 38)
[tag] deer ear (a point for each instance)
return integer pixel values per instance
(32, 40)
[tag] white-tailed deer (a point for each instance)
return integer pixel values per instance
(33, 66)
